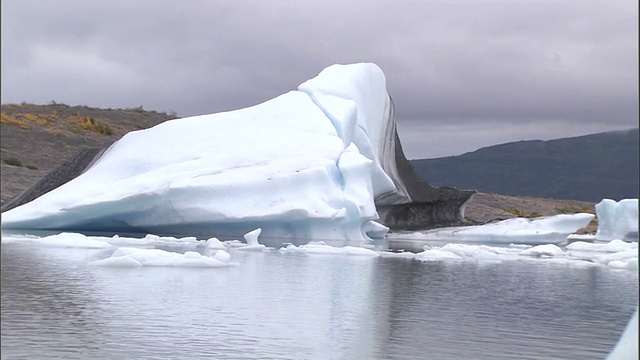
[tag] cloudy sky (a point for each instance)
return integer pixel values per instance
(463, 74)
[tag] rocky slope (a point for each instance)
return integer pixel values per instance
(36, 139)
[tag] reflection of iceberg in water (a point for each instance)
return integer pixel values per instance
(322, 162)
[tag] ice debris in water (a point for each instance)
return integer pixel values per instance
(320, 247)
(136, 257)
(252, 241)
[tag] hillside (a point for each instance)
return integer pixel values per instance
(589, 168)
(38, 138)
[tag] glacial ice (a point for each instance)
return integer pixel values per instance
(151, 251)
(617, 220)
(315, 156)
(252, 241)
(627, 346)
(543, 230)
(136, 257)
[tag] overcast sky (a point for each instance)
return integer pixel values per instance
(463, 74)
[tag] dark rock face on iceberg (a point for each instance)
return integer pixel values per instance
(428, 207)
(56, 178)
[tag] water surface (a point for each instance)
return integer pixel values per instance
(298, 306)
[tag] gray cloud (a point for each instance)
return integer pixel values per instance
(473, 72)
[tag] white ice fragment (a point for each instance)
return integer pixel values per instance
(72, 240)
(324, 249)
(627, 346)
(360, 251)
(234, 243)
(437, 255)
(544, 230)
(215, 244)
(252, 237)
(402, 254)
(617, 264)
(612, 246)
(156, 257)
(222, 256)
(624, 256)
(257, 247)
(547, 250)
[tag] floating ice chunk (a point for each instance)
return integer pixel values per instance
(612, 246)
(437, 255)
(617, 220)
(157, 257)
(215, 244)
(402, 254)
(12, 238)
(375, 230)
(119, 261)
(547, 250)
(72, 240)
(544, 230)
(359, 251)
(258, 247)
(582, 237)
(322, 248)
(234, 243)
(618, 256)
(222, 256)
(627, 346)
(252, 236)
(477, 252)
(128, 241)
(252, 241)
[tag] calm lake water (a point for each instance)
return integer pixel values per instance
(298, 306)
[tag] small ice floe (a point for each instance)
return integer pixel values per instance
(324, 249)
(14, 238)
(252, 241)
(544, 230)
(437, 255)
(136, 257)
(71, 240)
(546, 250)
(615, 254)
(624, 259)
(215, 244)
(581, 237)
(611, 246)
(401, 254)
(233, 244)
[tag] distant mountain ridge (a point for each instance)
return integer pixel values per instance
(589, 168)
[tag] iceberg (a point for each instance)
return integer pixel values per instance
(321, 162)
(543, 230)
(617, 220)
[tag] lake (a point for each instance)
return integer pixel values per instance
(277, 305)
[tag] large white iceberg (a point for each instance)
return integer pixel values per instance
(617, 220)
(309, 164)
